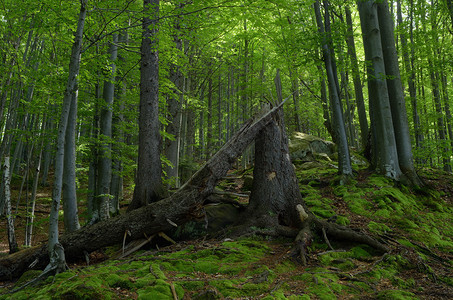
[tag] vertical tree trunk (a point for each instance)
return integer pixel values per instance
(440, 118)
(9, 214)
(396, 95)
(409, 65)
(357, 82)
(344, 160)
(385, 155)
(209, 127)
(71, 88)
(174, 102)
(148, 187)
(102, 198)
(31, 210)
(71, 219)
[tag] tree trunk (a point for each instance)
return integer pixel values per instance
(71, 88)
(102, 196)
(71, 219)
(409, 65)
(185, 204)
(275, 191)
(440, 119)
(357, 82)
(31, 209)
(384, 151)
(396, 95)
(209, 128)
(148, 187)
(344, 159)
(9, 214)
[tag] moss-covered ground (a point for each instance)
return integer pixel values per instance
(416, 225)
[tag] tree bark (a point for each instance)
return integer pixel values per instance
(344, 159)
(185, 204)
(357, 83)
(385, 155)
(396, 95)
(148, 187)
(71, 218)
(71, 88)
(409, 65)
(9, 214)
(102, 196)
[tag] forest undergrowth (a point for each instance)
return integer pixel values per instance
(417, 227)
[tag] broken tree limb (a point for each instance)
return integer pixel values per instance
(183, 205)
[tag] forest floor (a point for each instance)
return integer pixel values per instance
(417, 226)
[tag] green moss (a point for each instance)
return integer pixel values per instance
(159, 290)
(342, 220)
(27, 276)
(192, 285)
(114, 280)
(206, 267)
(403, 283)
(378, 228)
(228, 287)
(285, 267)
(395, 295)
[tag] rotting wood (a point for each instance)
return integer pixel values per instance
(185, 204)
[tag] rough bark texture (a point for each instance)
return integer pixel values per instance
(185, 204)
(148, 185)
(276, 206)
(275, 191)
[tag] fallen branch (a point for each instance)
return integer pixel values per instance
(184, 205)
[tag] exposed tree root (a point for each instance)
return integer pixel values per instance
(184, 205)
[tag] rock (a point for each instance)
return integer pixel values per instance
(304, 147)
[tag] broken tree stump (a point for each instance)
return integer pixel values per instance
(185, 204)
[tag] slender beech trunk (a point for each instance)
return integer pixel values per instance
(9, 214)
(357, 82)
(71, 88)
(344, 159)
(396, 95)
(148, 187)
(174, 103)
(71, 219)
(448, 117)
(209, 128)
(440, 118)
(102, 198)
(409, 65)
(31, 209)
(384, 150)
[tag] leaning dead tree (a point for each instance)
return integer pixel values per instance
(184, 205)
(276, 206)
(187, 203)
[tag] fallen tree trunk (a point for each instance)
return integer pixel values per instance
(182, 206)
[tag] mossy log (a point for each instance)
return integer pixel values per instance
(183, 205)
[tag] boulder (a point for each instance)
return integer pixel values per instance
(304, 147)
